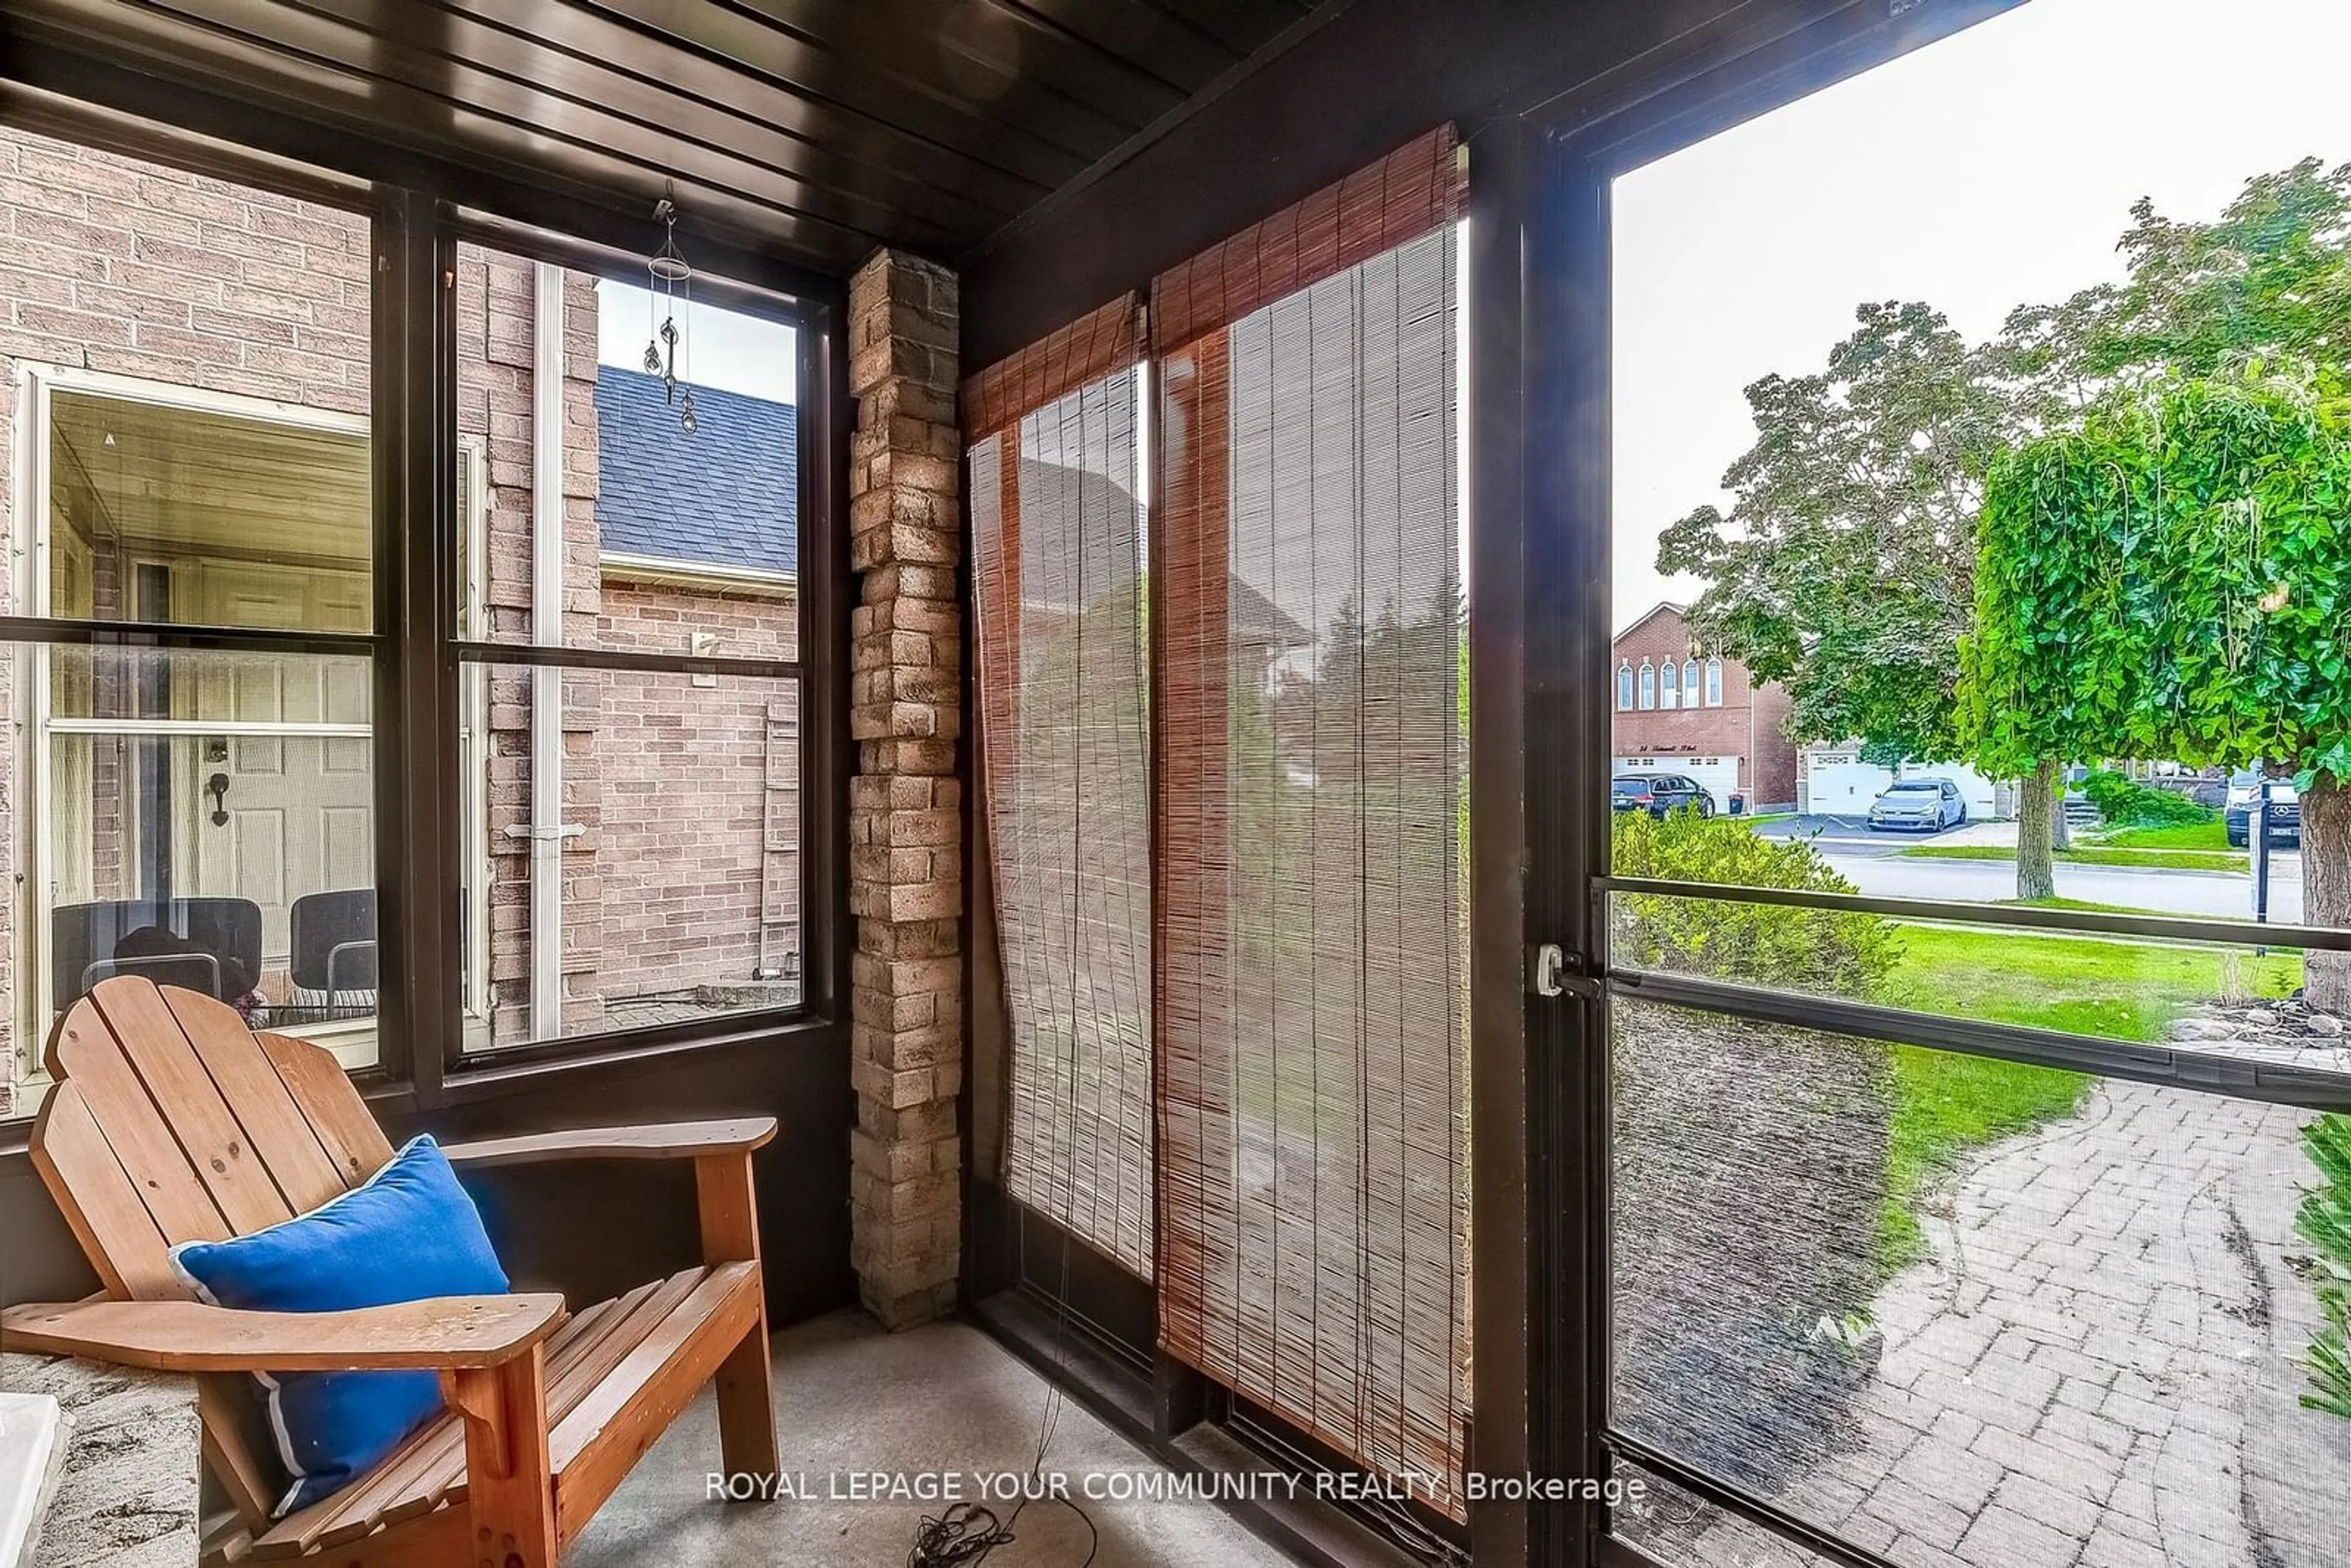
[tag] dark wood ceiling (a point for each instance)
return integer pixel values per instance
(810, 130)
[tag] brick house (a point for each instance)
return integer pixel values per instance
(184, 386)
(1679, 707)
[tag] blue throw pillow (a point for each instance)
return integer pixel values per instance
(409, 1233)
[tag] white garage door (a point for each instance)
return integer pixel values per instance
(1845, 789)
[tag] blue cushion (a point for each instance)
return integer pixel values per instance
(409, 1233)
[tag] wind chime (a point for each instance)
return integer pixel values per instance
(669, 352)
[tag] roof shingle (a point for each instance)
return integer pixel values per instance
(727, 496)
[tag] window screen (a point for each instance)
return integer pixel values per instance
(1313, 1213)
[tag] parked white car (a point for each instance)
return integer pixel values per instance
(1920, 805)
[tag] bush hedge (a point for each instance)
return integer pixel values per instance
(1829, 952)
(2125, 802)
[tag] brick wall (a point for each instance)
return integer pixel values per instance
(688, 878)
(701, 798)
(497, 331)
(1775, 753)
(1751, 724)
(906, 819)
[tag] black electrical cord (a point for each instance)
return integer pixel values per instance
(962, 1536)
(965, 1535)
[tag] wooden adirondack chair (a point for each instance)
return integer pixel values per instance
(172, 1121)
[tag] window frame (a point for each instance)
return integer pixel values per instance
(1625, 685)
(1648, 686)
(820, 640)
(37, 383)
(417, 649)
(37, 632)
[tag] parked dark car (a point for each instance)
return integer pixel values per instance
(1922, 805)
(2285, 811)
(1659, 793)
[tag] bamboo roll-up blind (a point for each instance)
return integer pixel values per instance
(1313, 1164)
(1058, 549)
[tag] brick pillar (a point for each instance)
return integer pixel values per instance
(905, 835)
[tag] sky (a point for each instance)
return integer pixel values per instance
(720, 347)
(1995, 168)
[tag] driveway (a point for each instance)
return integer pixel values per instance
(1851, 835)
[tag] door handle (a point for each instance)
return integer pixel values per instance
(217, 787)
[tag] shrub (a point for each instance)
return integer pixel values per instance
(1819, 950)
(2126, 803)
(2325, 1221)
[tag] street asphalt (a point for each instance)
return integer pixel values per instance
(1875, 864)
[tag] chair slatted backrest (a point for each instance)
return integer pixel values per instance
(172, 1121)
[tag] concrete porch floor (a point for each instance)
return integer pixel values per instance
(850, 1398)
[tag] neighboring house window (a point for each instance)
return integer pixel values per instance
(204, 818)
(1648, 685)
(1690, 683)
(1671, 697)
(1714, 683)
(1624, 686)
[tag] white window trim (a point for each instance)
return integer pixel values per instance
(1648, 686)
(292, 728)
(473, 743)
(661, 570)
(1714, 683)
(1625, 685)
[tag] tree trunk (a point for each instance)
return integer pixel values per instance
(2036, 827)
(2061, 826)
(2327, 889)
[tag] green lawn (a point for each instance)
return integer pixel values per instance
(2212, 835)
(2091, 905)
(2101, 854)
(1947, 1105)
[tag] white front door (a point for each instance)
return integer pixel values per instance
(271, 817)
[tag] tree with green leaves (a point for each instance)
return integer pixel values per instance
(2171, 576)
(1844, 568)
(1832, 573)
(1843, 571)
(2270, 277)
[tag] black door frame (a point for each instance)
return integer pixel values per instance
(1578, 144)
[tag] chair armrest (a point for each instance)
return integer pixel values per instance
(677, 1140)
(444, 1333)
